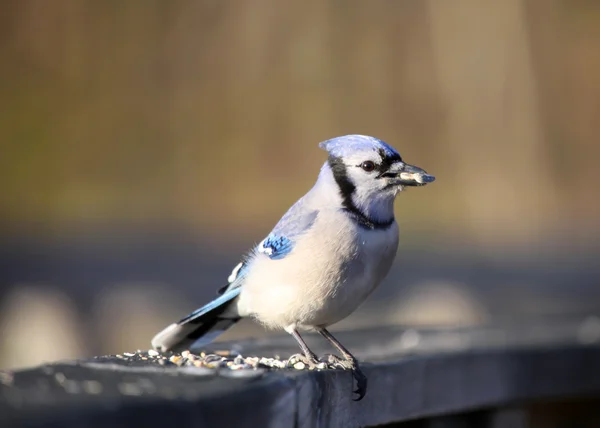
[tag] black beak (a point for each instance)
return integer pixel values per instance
(410, 175)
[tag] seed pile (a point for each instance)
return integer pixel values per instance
(218, 360)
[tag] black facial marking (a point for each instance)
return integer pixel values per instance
(389, 160)
(340, 174)
(384, 166)
(347, 188)
(386, 162)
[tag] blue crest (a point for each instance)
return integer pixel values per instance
(350, 144)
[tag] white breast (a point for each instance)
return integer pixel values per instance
(330, 272)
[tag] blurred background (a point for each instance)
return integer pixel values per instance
(144, 145)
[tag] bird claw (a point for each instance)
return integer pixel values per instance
(310, 361)
(361, 383)
(334, 362)
(349, 364)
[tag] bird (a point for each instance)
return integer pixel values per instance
(321, 261)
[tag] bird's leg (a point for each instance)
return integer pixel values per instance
(349, 363)
(349, 360)
(309, 357)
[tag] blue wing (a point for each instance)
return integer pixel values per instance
(282, 239)
(296, 221)
(237, 275)
(278, 244)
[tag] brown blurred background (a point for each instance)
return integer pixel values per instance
(145, 144)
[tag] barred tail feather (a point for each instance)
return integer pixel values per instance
(201, 326)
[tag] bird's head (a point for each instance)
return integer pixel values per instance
(370, 173)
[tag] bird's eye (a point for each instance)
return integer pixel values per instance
(367, 166)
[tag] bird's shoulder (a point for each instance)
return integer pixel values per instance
(279, 243)
(295, 222)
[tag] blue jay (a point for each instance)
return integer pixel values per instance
(323, 258)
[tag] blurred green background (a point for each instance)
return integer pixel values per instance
(145, 144)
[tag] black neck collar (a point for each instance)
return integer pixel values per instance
(347, 188)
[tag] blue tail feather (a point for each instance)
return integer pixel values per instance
(201, 326)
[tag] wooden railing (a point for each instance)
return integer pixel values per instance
(513, 376)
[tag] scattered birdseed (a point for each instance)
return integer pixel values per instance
(176, 359)
(226, 353)
(211, 358)
(230, 361)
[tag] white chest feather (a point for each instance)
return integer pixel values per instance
(330, 272)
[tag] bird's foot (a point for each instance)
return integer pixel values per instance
(349, 364)
(361, 382)
(334, 362)
(308, 360)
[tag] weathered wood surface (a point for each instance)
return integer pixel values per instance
(412, 374)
